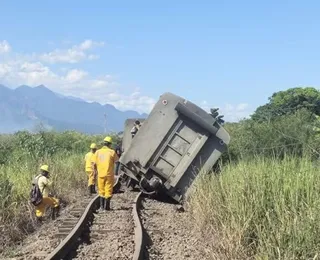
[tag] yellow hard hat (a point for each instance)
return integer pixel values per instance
(44, 168)
(108, 139)
(93, 145)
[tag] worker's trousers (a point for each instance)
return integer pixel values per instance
(117, 168)
(46, 202)
(105, 186)
(91, 180)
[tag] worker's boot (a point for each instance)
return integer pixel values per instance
(107, 204)
(93, 189)
(90, 190)
(101, 204)
(53, 214)
(39, 220)
(58, 211)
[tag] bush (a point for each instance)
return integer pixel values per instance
(288, 135)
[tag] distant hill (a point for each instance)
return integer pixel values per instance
(26, 107)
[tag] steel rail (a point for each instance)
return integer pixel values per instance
(138, 229)
(66, 245)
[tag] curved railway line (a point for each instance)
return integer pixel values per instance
(91, 234)
(137, 227)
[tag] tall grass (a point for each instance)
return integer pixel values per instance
(16, 213)
(21, 156)
(261, 209)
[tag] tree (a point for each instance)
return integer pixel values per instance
(288, 102)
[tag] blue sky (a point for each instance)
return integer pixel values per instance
(230, 54)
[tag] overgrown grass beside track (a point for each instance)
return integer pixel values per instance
(21, 156)
(265, 202)
(17, 214)
(261, 209)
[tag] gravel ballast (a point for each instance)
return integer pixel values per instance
(170, 232)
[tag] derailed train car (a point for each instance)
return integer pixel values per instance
(175, 143)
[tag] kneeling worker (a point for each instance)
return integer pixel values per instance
(43, 182)
(104, 160)
(89, 168)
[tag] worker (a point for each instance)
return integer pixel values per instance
(135, 128)
(118, 152)
(104, 161)
(90, 169)
(43, 181)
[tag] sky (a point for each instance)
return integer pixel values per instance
(227, 54)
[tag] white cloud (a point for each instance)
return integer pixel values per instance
(99, 83)
(4, 47)
(89, 44)
(75, 83)
(72, 55)
(242, 107)
(35, 69)
(75, 75)
(135, 101)
(106, 90)
(28, 73)
(5, 69)
(93, 57)
(231, 112)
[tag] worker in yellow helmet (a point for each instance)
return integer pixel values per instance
(43, 183)
(89, 168)
(104, 161)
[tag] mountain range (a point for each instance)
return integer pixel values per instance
(24, 108)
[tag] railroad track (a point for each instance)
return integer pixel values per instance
(137, 227)
(115, 234)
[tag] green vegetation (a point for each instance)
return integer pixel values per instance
(263, 204)
(21, 155)
(261, 209)
(288, 102)
(295, 134)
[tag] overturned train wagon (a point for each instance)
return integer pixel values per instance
(175, 143)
